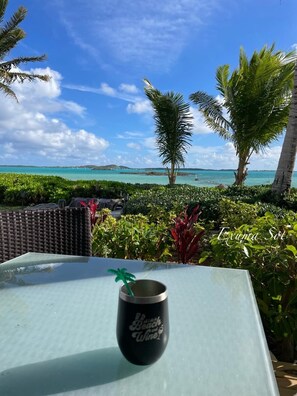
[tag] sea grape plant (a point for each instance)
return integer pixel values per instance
(123, 275)
(132, 237)
(186, 237)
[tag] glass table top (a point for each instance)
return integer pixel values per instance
(58, 319)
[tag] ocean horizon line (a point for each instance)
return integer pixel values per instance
(122, 167)
(199, 177)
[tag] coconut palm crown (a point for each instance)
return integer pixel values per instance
(174, 123)
(10, 35)
(254, 105)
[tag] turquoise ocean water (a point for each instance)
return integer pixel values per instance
(194, 177)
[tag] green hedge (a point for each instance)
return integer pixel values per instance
(20, 189)
(176, 199)
(210, 199)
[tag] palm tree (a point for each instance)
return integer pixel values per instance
(283, 176)
(10, 35)
(174, 123)
(255, 98)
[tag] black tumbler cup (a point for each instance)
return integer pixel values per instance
(142, 323)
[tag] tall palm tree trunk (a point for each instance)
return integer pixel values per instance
(283, 176)
(242, 171)
(171, 174)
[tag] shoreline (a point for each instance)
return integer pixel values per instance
(154, 173)
(194, 177)
(121, 168)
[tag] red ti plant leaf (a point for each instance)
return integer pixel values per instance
(186, 238)
(93, 206)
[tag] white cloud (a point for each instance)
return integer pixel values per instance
(29, 135)
(143, 33)
(199, 126)
(39, 89)
(44, 96)
(126, 92)
(224, 157)
(212, 157)
(72, 107)
(140, 107)
(130, 135)
(134, 146)
(107, 90)
(267, 160)
(129, 88)
(150, 143)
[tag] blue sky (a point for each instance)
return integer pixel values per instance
(94, 110)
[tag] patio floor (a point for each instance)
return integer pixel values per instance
(286, 377)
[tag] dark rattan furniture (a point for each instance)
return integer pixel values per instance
(61, 231)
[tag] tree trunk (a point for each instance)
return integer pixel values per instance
(284, 350)
(241, 173)
(283, 176)
(171, 174)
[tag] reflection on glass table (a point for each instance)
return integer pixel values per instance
(58, 319)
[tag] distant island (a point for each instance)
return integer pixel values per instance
(111, 167)
(104, 167)
(156, 173)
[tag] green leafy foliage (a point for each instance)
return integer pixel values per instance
(235, 214)
(268, 250)
(131, 237)
(174, 124)
(175, 199)
(256, 97)
(10, 35)
(21, 189)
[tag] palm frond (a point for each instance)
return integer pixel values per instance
(3, 6)
(10, 35)
(174, 123)
(24, 59)
(10, 77)
(15, 20)
(212, 111)
(256, 99)
(222, 79)
(7, 91)
(9, 39)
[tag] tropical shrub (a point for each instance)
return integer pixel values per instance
(186, 236)
(289, 201)
(131, 237)
(268, 250)
(277, 211)
(249, 194)
(157, 214)
(93, 206)
(22, 189)
(175, 199)
(234, 214)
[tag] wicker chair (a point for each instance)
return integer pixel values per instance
(61, 231)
